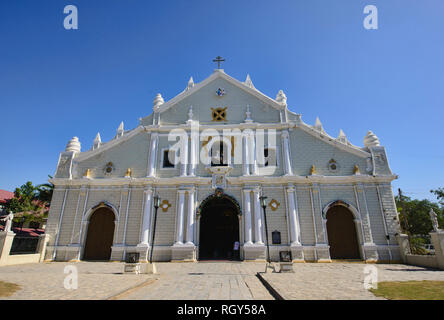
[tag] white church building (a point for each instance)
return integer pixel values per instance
(209, 154)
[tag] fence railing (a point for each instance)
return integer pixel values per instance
(24, 245)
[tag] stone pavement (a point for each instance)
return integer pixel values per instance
(343, 281)
(96, 280)
(205, 280)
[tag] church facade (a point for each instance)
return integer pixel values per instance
(210, 154)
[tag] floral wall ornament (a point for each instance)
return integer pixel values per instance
(165, 205)
(274, 204)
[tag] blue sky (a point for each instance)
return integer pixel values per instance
(57, 83)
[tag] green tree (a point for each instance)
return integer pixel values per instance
(26, 203)
(414, 215)
(45, 191)
(439, 193)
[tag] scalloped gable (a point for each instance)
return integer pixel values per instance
(108, 145)
(219, 73)
(323, 136)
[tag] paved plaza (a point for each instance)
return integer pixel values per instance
(205, 280)
(341, 281)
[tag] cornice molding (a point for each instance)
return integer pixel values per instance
(304, 180)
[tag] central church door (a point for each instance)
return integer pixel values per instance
(219, 230)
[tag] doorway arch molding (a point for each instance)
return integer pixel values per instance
(219, 194)
(102, 204)
(345, 204)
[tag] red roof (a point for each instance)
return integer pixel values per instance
(26, 231)
(5, 195)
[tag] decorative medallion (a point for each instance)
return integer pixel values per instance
(165, 205)
(219, 114)
(109, 168)
(333, 165)
(274, 204)
(218, 181)
(219, 192)
(220, 92)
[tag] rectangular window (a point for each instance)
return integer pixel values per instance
(270, 157)
(166, 163)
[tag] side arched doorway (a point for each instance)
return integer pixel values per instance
(99, 237)
(342, 236)
(219, 228)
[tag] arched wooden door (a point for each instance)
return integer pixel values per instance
(219, 230)
(342, 236)
(99, 238)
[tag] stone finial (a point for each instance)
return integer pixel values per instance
(342, 137)
(73, 145)
(157, 102)
(281, 97)
(318, 125)
(248, 82)
(190, 83)
(87, 173)
(128, 173)
(248, 115)
(371, 140)
(120, 130)
(97, 142)
(313, 170)
(356, 170)
(434, 219)
(190, 115)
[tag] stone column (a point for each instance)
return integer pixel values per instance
(404, 246)
(41, 246)
(253, 156)
(245, 156)
(194, 140)
(180, 216)
(144, 237)
(6, 239)
(257, 217)
(295, 232)
(153, 154)
(184, 156)
(437, 238)
(286, 149)
(247, 217)
(191, 218)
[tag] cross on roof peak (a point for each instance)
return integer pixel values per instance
(218, 59)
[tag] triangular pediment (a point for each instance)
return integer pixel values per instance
(220, 74)
(220, 92)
